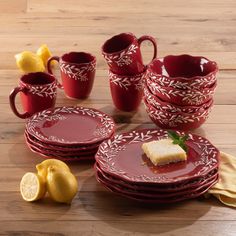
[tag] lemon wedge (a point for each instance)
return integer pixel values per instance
(62, 185)
(32, 187)
(29, 62)
(42, 168)
(44, 53)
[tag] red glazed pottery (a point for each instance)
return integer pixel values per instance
(145, 199)
(68, 126)
(38, 92)
(126, 91)
(77, 73)
(183, 72)
(181, 97)
(123, 157)
(123, 55)
(154, 195)
(52, 147)
(177, 120)
(158, 103)
(69, 158)
(59, 152)
(174, 189)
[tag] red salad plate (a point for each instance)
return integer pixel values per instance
(68, 126)
(172, 189)
(153, 195)
(122, 157)
(62, 149)
(59, 153)
(68, 158)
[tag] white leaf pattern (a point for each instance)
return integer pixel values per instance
(49, 90)
(126, 82)
(76, 72)
(104, 130)
(124, 58)
(108, 151)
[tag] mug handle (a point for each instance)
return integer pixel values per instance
(12, 97)
(56, 58)
(152, 40)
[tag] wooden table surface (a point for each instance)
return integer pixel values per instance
(205, 28)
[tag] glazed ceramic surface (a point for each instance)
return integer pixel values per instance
(122, 156)
(160, 188)
(77, 73)
(177, 120)
(170, 107)
(70, 126)
(146, 199)
(181, 97)
(162, 195)
(61, 148)
(38, 92)
(183, 72)
(126, 91)
(123, 55)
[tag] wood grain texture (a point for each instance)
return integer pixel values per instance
(180, 26)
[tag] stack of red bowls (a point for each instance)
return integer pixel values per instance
(178, 91)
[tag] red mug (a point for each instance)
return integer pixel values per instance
(126, 91)
(123, 55)
(38, 92)
(77, 73)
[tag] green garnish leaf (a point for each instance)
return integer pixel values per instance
(177, 139)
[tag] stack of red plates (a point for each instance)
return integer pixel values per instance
(68, 133)
(123, 168)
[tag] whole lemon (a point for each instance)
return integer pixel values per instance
(29, 62)
(62, 185)
(44, 53)
(42, 167)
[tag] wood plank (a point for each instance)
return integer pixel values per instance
(11, 7)
(124, 6)
(88, 206)
(124, 228)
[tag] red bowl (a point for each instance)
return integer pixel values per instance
(178, 120)
(183, 72)
(179, 96)
(158, 103)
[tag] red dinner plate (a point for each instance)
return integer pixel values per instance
(143, 199)
(122, 157)
(67, 126)
(152, 194)
(160, 188)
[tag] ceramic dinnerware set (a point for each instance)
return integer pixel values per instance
(123, 169)
(178, 91)
(68, 133)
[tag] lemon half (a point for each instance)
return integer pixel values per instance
(32, 187)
